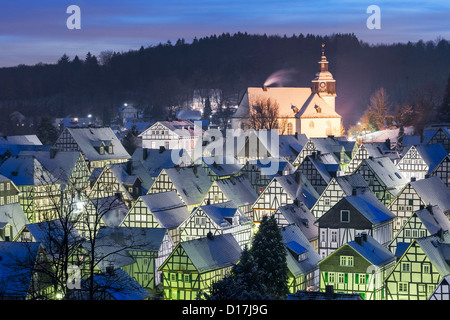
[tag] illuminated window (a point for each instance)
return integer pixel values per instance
(426, 268)
(403, 287)
(346, 261)
(362, 278)
(406, 267)
(311, 124)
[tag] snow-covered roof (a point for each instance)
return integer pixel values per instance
(112, 245)
(154, 160)
(372, 251)
(167, 208)
(218, 212)
(20, 140)
(387, 172)
(433, 219)
(209, 254)
(437, 249)
(370, 207)
(13, 214)
(432, 154)
(297, 186)
(88, 139)
(192, 183)
(294, 239)
(300, 215)
(238, 189)
(51, 233)
(60, 163)
(112, 210)
(222, 166)
(433, 191)
(350, 182)
(26, 170)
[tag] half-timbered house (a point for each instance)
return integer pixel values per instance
(154, 160)
(190, 183)
(302, 260)
(441, 136)
(219, 218)
(99, 146)
(194, 265)
(419, 161)
(298, 214)
(318, 171)
(442, 170)
(416, 194)
(281, 191)
(422, 223)
(420, 269)
(353, 215)
(442, 291)
(221, 167)
(383, 178)
(374, 150)
(338, 188)
(360, 265)
(261, 172)
(158, 210)
(171, 135)
(40, 191)
(237, 189)
(114, 179)
(341, 150)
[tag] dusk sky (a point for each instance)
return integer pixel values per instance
(35, 31)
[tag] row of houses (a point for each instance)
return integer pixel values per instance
(348, 214)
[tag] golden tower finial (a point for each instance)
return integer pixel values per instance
(323, 49)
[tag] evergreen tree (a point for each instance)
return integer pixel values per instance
(269, 252)
(207, 111)
(401, 134)
(46, 132)
(262, 271)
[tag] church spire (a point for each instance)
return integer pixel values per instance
(323, 62)
(324, 84)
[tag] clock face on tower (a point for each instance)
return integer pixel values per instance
(322, 85)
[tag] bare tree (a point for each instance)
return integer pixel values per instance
(378, 110)
(264, 114)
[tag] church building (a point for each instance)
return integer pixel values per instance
(303, 110)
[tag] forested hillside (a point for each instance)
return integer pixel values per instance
(158, 77)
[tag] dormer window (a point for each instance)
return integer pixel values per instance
(102, 150)
(110, 149)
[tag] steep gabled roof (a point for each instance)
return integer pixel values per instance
(433, 191)
(370, 207)
(192, 183)
(372, 251)
(26, 170)
(433, 219)
(88, 139)
(167, 208)
(209, 254)
(238, 189)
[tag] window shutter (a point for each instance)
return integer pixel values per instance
(367, 278)
(326, 276)
(345, 277)
(356, 278)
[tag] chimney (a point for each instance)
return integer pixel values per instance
(359, 240)
(354, 192)
(297, 203)
(210, 236)
(264, 88)
(53, 152)
(296, 135)
(413, 179)
(364, 236)
(129, 167)
(162, 149)
(387, 142)
(329, 292)
(144, 153)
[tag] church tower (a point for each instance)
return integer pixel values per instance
(324, 84)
